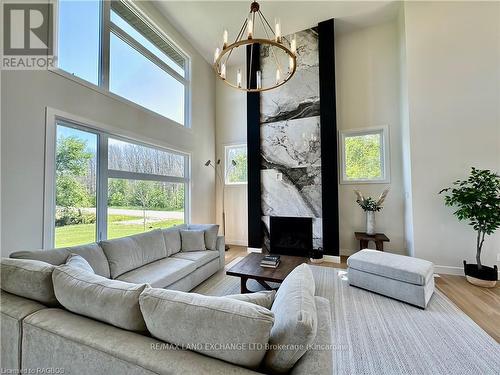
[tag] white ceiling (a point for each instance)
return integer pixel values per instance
(202, 22)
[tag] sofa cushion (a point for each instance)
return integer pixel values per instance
(92, 253)
(128, 253)
(199, 258)
(28, 278)
(264, 298)
(111, 301)
(393, 266)
(198, 322)
(79, 262)
(172, 238)
(84, 346)
(192, 240)
(211, 232)
(13, 311)
(161, 273)
(296, 320)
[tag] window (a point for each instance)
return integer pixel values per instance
(112, 45)
(236, 164)
(108, 187)
(365, 156)
(75, 173)
(78, 38)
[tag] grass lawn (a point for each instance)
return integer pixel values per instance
(71, 235)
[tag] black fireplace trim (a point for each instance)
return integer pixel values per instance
(253, 153)
(328, 131)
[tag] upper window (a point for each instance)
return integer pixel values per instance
(365, 156)
(116, 48)
(78, 38)
(236, 164)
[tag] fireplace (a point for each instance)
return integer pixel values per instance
(291, 235)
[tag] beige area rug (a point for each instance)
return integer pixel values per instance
(373, 334)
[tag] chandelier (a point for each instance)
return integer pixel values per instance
(278, 47)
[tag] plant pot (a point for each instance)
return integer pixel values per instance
(370, 223)
(485, 277)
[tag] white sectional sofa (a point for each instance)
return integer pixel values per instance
(126, 313)
(155, 257)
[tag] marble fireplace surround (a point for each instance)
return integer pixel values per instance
(290, 142)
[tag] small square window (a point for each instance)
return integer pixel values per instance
(236, 165)
(364, 156)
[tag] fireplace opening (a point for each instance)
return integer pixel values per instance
(291, 235)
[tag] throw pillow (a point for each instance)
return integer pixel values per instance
(211, 233)
(192, 240)
(296, 320)
(111, 301)
(219, 327)
(79, 262)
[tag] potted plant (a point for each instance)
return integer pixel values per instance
(477, 200)
(370, 206)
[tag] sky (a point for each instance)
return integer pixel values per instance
(89, 138)
(131, 75)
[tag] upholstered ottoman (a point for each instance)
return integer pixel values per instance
(401, 277)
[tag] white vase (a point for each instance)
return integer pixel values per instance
(370, 222)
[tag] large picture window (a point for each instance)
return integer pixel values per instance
(364, 156)
(107, 187)
(112, 45)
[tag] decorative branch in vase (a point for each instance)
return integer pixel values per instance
(370, 206)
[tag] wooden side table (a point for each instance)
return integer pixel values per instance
(378, 238)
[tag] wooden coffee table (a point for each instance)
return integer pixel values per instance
(250, 268)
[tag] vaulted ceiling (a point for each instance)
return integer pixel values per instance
(202, 22)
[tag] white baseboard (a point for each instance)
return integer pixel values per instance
(254, 250)
(236, 242)
(331, 258)
(447, 270)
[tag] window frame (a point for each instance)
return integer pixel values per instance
(106, 28)
(103, 132)
(226, 163)
(383, 130)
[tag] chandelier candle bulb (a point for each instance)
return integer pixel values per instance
(259, 79)
(223, 71)
(224, 38)
(277, 31)
(250, 28)
(238, 78)
(291, 64)
(293, 45)
(278, 76)
(216, 54)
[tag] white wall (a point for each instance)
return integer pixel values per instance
(231, 128)
(368, 94)
(24, 97)
(453, 72)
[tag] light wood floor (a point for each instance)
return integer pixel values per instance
(481, 304)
